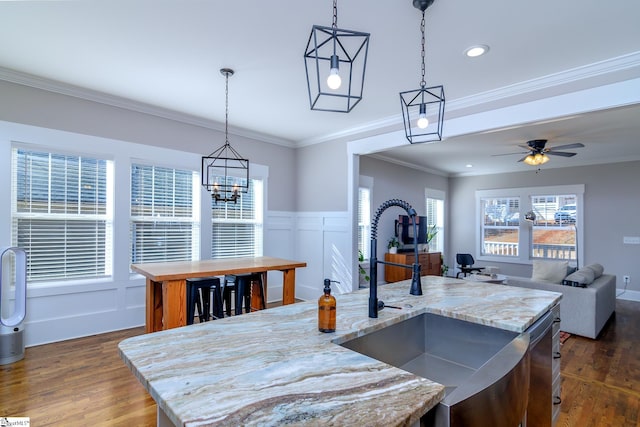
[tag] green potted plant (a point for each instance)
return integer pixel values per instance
(432, 231)
(443, 267)
(363, 273)
(393, 245)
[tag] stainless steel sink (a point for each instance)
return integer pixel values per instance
(485, 370)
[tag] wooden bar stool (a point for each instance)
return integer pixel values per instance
(205, 286)
(242, 285)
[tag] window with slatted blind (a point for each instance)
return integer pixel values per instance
(435, 216)
(236, 228)
(165, 210)
(61, 214)
(364, 221)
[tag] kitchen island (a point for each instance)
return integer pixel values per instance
(273, 367)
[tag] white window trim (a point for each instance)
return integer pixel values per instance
(257, 172)
(524, 240)
(108, 216)
(366, 182)
(194, 219)
(432, 193)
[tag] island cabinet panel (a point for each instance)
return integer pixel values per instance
(430, 265)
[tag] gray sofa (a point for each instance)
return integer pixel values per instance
(583, 311)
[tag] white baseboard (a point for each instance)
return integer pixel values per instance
(60, 329)
(628, 295)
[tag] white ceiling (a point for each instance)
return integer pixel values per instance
(164, 55)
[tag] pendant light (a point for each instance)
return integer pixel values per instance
(224, 172)
(423, 109)
(335, 61)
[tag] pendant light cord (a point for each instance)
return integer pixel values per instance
(335, 14)
(422, 82)
(226, 109)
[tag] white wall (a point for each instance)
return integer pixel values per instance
(322, 178)
(64, 310)
(393, 181)
(611, 206)
(67, 309)
(30, 106)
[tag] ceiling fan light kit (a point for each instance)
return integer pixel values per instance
(536, 159)
(423, 109)
(538, 153)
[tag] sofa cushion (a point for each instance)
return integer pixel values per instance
(596, 268)
(549, 271)
(583, 277)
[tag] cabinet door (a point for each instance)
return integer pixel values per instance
(396, 274)
(434, 264)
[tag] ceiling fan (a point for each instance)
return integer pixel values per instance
(537, 151)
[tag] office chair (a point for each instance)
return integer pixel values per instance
(465, 264)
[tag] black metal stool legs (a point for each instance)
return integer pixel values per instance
(194, 301)
(242, 284)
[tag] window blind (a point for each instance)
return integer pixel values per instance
(435, 216)
(164, 214)
(364, 221)
(236, 228)
(62, 214)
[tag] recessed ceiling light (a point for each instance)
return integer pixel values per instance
(477, 50)
(469, 165)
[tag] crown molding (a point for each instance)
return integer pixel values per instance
(384, 158)
(596, 69)
(37, 82)
(609, 66)
(485, 99)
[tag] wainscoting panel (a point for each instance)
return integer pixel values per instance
(322, 241)
(279, 241)
(64, 315)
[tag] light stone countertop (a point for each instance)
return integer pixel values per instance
(273, 367)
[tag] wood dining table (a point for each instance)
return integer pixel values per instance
(166, 292)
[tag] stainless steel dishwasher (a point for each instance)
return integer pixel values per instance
(541, 399)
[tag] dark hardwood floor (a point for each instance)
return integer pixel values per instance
(601, 378)
(83, 382)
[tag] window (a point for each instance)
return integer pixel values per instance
(554, 230)
(164, 214)
(364, 221)
(435, 216)
(500, 226)
(61, 214)
(237, 227)
(554, 235)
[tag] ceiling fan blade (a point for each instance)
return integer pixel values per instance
(524, 147)
(508, 154)
(560, 153)
(522, 159)
(563, 147)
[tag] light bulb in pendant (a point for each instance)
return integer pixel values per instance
(423, 122)
(334, 81)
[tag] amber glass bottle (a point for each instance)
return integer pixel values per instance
(327, 310)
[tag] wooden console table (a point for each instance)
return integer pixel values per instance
(430, 265)
(167, 289)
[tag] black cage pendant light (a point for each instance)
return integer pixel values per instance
(423, 109)
(335, 61)
(224, 172)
